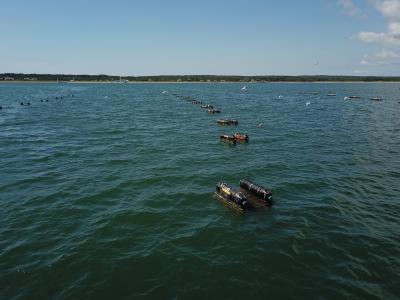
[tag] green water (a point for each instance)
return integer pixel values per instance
(109, 194)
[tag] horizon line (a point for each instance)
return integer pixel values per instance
(211, 75)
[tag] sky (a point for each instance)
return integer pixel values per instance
(221, 37)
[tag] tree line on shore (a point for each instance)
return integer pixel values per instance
(192, 78)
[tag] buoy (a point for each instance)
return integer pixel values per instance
(228, 138)
(241, 137)
(228, 193)
(228, 122)
(376, 99)
(256, 189)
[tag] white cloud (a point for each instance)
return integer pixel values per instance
(391, 37)
(389, 8)
(385, 57)
(387, 54)
(349, 7)
(388, 40)
(394, 28)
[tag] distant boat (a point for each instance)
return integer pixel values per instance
(121, 80)
(243, 88)
(164, 92)
(331, 94)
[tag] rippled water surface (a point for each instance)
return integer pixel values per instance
(109, 194)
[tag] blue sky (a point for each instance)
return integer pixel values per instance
(253, 37)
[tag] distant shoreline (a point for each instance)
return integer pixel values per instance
(102, 78)
(183, 82)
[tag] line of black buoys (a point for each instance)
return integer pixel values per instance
(253, 195)
(47, 99)
(211, 110)
(22, 103)
(192, 100)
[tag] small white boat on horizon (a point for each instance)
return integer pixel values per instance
(121, 80)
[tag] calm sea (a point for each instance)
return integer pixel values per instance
(109, 194)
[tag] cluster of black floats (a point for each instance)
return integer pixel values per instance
(230, 138)
(208, 107)
(47, 99)
(250, 196)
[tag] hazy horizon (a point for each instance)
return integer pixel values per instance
(216, 75)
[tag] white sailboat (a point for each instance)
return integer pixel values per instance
(120, 80)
